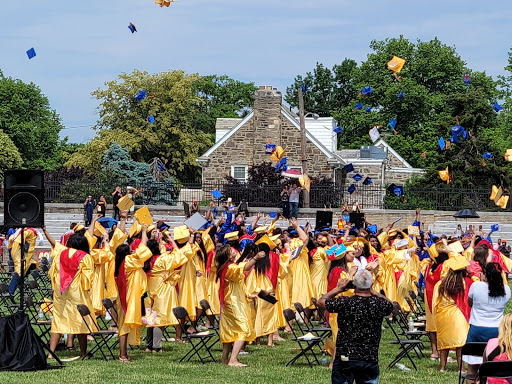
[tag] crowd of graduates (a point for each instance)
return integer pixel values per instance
(249, 273)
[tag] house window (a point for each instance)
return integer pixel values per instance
(239, 172)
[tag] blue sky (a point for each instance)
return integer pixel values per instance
(82, 44)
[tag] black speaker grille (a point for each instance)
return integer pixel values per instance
(23, 208)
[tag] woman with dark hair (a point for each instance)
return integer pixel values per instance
(283, 290)
(451, 310)
(131, 284)
(235, 326)
(259, 280)
(493, 255)
(71, 275)
(487, 300)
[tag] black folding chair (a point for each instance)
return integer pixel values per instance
(322, 332)
(321, 313)
(214, 324)
(416, 298)
(7, 302)
(495, 369)
(43, 324)
(198, 340)
(470, 349)
(418, 314)
(405, 345)
(101, 337)
(305, 345)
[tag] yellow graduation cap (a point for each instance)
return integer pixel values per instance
(125, 203)
(413, 230)
(181, 233)
(143, 216)
(342, 254)
(231, 236)
(445, 175)
(396, 64)
(99, 230)
(457, 263)
(135, 228)
(457, 247)
(508, 155)
(78, 227)
(494, 193)
(275, 239)
(503, 201)
(266, 240)
(261, 230)
(150, 228)
(498, 195)
(305, 182)
(278, 153)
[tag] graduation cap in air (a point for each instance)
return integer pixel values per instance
(357, 177)
(466, 78)
(366, 90)
(367, 181)
(495, 227)
(358, 107)
(269, 148)
(457, 130)
(349, 168)
(281, 164)
(272, 215)
(337, 129)
(397, 190)
(374, 134)
(351, 189)
(372, 229)
(445, 175)
(303, 87)
(278, 153)
(497, 107)
(400, 95)
(368, 109)
(31, 53)
(487, 155)
(396, 64)
(391, 124)
(217, 194)
(151, 119)
(132, 28)
(441, 143)
(141, 95)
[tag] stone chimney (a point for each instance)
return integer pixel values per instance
(267, 120)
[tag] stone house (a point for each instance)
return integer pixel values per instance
(240, 143)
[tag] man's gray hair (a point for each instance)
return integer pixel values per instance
(363, 279)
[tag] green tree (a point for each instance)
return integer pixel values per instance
(171, 99)
(28, 120)
(9, 154)
(220, 96)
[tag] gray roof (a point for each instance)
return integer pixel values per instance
(226, 122)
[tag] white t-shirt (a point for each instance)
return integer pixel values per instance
(486, 311)
(294, 195)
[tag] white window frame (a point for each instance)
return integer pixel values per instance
(246, 170)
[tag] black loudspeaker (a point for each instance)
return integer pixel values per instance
(23, 198)
(357, 219)
(323, 219)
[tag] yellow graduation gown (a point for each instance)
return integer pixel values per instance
(264, 313)
(187, 286)
(212, 290)
(301, 290)
(162, 284)
(136, 284)
(451, 325)
(29, 237)
(101, 257)
(118, 238)
(408, 278)
(200, 280)
(235, 323)
(282, 291)
(319, 269)
(389, 284)
(66, 318)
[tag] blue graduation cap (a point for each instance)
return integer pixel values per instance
(269, 148)
(367, 181)
(372, 229)
(368, 109)
(358, 107)
(397, 190)
(331, 250)
(151, 119)
(338, 129)
(281, 164)
(132, 28)
(497, 107)
(339, 250)
(465, 134)
(161, 167)
(487, 155)
(217, 194)
(392, 124)
(357, 177)
(456, 132)
(31, 53)
(366, 90)
(495, 227)
(272, 215)
(351, 189)
(349, 168)
(400, 95)
(441, 143)
(303, 87)
(466, 78)
(141, 95)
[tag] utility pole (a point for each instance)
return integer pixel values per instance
(303, 143)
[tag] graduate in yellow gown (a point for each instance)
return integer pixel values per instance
(235, 326)
(282, 291)
(451, 310)
(162, 277)
(300, 287)
(71, 275)
(131, 284)
(29, 237)
(319, 266)
(199, 259)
